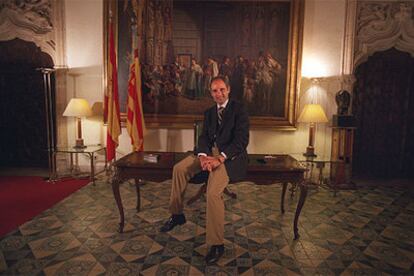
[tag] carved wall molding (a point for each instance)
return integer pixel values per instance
(382, 25)
(34, 15)
(40, 21)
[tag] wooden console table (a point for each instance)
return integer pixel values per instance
(282, 168)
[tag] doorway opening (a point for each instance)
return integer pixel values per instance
(383, 105)
(24, 139)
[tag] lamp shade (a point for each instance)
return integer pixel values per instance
(77, 107)
(313, 113)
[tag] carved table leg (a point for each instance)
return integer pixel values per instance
(302, 198)
(137, 184)
(116, 181)
(282, 201)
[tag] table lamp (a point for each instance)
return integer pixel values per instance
(312, 114)
(78, 108)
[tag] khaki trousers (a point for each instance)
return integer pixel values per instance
(218, 179)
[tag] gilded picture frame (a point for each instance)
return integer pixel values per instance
(179, 32)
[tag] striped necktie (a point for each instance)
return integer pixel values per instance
(220, 115)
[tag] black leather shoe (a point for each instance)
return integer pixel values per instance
(215, 253)
(173, 221)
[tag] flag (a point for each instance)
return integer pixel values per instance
(135, 116)
(112, 101)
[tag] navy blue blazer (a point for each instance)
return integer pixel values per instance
(232, 137)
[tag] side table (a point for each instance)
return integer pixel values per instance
(314, 168)
(90, 151)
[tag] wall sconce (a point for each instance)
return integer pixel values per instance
(78, 107)
(312, 114)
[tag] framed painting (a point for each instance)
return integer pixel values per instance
(255, 45)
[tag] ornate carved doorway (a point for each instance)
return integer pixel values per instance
(23, 139)
(383, 105)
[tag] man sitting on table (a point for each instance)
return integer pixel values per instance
(222, 151)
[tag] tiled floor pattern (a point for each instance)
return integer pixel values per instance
(369, 231)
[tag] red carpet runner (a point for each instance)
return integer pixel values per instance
(24, 197)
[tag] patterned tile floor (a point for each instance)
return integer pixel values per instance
(368, 231)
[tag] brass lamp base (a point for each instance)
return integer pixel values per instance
(79, 144)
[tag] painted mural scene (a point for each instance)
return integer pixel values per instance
(184, 44)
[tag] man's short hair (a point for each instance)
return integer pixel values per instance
(222, 78)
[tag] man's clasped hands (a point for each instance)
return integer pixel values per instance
(210, 163)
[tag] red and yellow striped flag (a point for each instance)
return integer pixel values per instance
(135, 116)
(112, 101)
